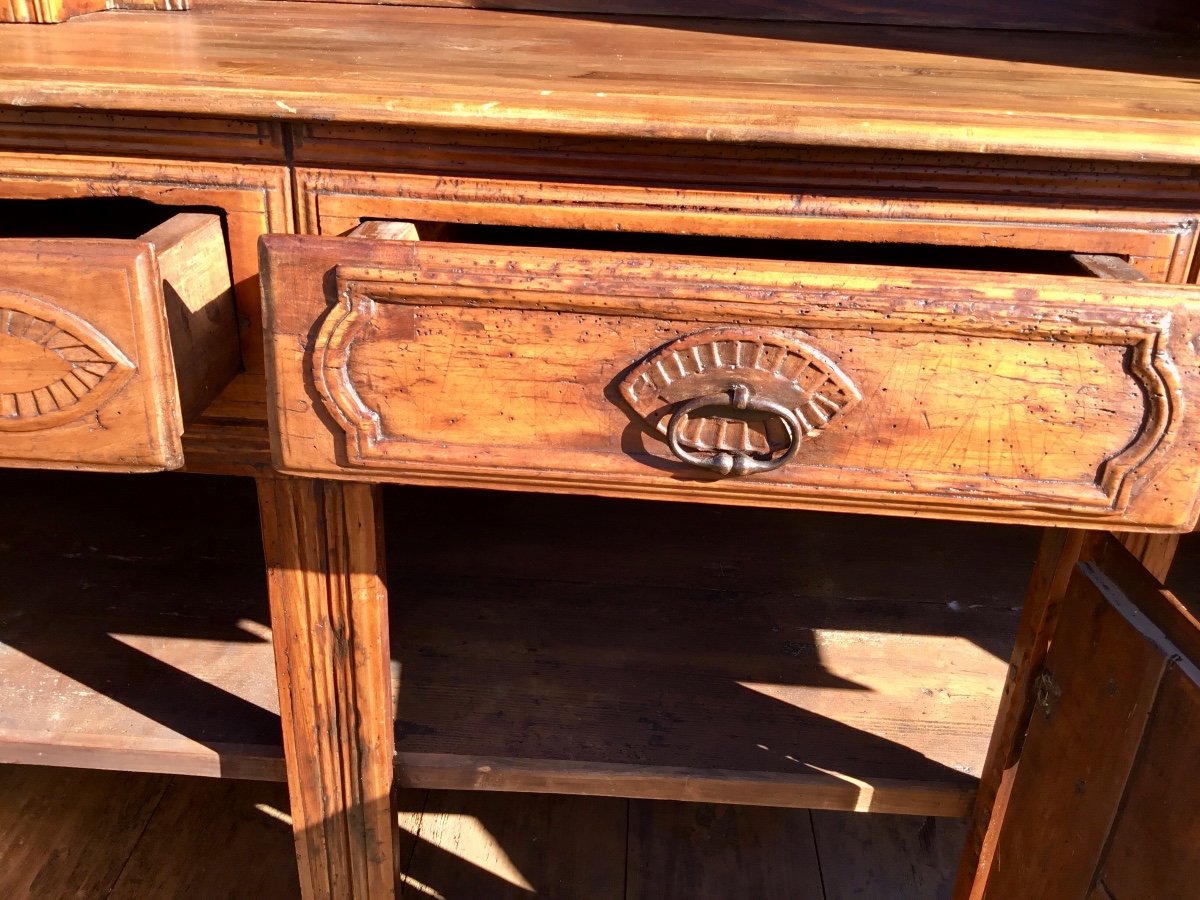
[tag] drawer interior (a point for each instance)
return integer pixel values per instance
(114, 218)
(881, 253)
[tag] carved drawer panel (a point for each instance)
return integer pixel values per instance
(107, 346)
(1037, 398)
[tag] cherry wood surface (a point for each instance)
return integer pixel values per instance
(230, 436)
(1097, 97)
(813, 662)
(134, 630)
(1098, 799)
(108, 346)
(323, 545)
(926, 211)
(124, 836)
(970, 394)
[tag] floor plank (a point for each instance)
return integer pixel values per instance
(702, 851)
(865, 857)
(67, 833)
(517, 846)
(214, 839)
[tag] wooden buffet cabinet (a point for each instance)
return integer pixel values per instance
(929, 261)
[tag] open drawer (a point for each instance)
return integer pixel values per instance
(1044, 397)
(117, 327)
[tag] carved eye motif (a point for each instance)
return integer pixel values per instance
(54, 366)
(771, 364)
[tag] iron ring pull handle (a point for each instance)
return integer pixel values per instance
(723, 462)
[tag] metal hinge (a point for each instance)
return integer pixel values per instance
(1048, 693)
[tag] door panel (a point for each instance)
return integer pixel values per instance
(1102, 800)
(1154, 851)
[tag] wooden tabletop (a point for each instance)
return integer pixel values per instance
(1080, 96)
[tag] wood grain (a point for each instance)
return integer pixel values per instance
(701, 851)
(1098, 804)
(973, 384)
(253, 199)
(95, 377)
(910, 201)
(1153, 850)
(69, 833)
(518, 846)
(1057, 555)
(213, 839)
(928, 89)
(110, 134)
(134, 626)
(549, 658)
(329, 620)
(1101, 677)
(198, 298)
(887, 856)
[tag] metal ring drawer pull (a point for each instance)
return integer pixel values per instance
(723, 462)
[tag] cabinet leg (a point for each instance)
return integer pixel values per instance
(1060, 550)
(1155, 551)
(329, 620)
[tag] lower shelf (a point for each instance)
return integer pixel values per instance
(692, 653)
(545, 644)
(133, 625)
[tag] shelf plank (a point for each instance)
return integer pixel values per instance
(133, 627)
(936, 89)
(847, 672)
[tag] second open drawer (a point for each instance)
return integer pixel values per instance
(834, 385)
(117, 327)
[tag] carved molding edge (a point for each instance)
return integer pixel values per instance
(95, 368)
(344, 324)
(1146, 338)
(1156, 375)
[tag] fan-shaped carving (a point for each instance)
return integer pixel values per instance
(54, 366)
(772, 363)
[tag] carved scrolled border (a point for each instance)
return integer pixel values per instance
(96, 368)
(1150, 367)
(1155, 373)
(344, 324)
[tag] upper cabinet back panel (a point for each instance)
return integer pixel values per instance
(1096, 16)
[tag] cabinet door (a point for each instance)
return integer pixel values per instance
(1100, 799)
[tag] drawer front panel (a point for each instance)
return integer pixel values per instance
(1018, 397)
(88, 367)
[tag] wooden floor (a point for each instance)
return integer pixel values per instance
(70, 833)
